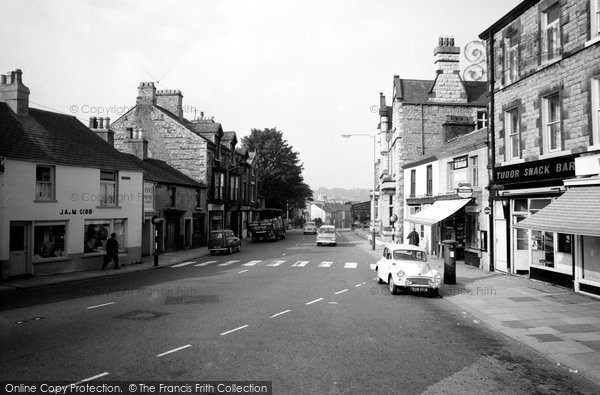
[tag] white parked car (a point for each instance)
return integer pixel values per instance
(326, 235)
(405, 267)
(310, 227)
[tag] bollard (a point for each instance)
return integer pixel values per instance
(449, 261)
(155, 258)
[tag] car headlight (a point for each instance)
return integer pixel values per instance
(401, 273)
(437, 279)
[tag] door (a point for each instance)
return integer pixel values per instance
(520, 247)
(172, 234)
(17, 250)
(188, 232)
(501, 262)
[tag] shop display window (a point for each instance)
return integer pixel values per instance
(591, 258)
(96, 232)
(49, 241)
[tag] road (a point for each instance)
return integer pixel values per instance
(310, 319)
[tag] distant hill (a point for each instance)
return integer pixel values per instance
(342, 194)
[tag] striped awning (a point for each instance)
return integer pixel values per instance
(439, 210)
(577, 211)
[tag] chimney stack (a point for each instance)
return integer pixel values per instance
(101, 126)
(146, 94)
(137, 145)
(14, 93)
(448, 86)
(171, 100)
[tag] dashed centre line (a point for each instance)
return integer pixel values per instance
(99, 305)
(350, 265)
(276, 263)
(300, 264)
(314, 301)
(173, 350)
(251, 263)
(325, 264)
(228, 263)
(205, 263)
(281, 313)
(358, 285)
(233, 330)
(184, 264)
(341, 292)
(243, 271)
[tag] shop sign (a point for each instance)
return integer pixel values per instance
(460, 163)
(148, 196)
(464, 191)
(547, 169)
(74, 211)
(487, 210)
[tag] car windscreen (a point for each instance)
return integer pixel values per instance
(326, 230)
(408, 255)
(216, 235)
(309, 224)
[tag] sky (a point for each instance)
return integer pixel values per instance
(312, 69)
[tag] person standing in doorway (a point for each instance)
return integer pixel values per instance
(413, 237)
(112, 251)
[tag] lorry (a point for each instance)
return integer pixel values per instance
(267, 224)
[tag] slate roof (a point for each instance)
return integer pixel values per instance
(53, 138)
(207, 130)
(159, 171)
(417, 91)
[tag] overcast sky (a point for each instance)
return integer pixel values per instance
(312, 69)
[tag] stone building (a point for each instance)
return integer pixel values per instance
(423, 115)
(544, 67)
(198, 148)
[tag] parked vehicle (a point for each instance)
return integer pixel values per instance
(267, 224)
(223, 241)
(405, 267)
(326, 235)
(310, 227)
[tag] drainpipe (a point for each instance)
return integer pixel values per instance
(492, 141)
(422, 131)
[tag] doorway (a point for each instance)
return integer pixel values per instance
(18, 250)
(501, 263)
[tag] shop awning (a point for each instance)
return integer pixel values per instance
(577, 211)
(438, 211)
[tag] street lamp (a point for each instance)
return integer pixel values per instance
(349, 135)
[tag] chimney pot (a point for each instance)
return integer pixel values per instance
(451, 41)
(107, 120)
(101, 123)
(91, 124)
(2, 79)
(441, 41)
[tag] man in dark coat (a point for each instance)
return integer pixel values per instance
(112, 251)
(413, 237)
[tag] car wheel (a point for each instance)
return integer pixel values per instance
(392, 286)
(379, 280)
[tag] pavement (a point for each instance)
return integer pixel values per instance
(556, 322)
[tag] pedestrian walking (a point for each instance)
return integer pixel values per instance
(413, 237)
(112, 251)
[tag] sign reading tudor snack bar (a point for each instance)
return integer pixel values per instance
(552, 169)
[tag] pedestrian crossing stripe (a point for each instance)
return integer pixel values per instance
(350, 265)
(205, 263)
(325, 264)
(184, 264)
(275, 263)
(300, 264)
(251, 263)
(227, 263)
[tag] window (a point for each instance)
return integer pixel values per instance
(48, 241)
(511, 66)
(596, 110)
(244, 191)
(413, 180)
(96, 232)
(108, 188)
(172, 196)
(429, 180)
(565, 243)
(450, 177)
(513, 138)
(474, 171)
(198, 197)
(130, 133)
(551, 32)
(594, 18)
(44, 182)
(219, 186)
(551, 123)
(482, 119)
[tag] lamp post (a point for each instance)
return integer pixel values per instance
(349, 135)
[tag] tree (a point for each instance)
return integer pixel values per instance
(278, 168)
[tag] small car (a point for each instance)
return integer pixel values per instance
(310, 227)
(223, 241)
(326, 235)
(405, 267)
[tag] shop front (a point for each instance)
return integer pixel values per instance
(521, 191)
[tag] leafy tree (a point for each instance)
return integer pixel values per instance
(278, 168)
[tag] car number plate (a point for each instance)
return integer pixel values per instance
(418, 289)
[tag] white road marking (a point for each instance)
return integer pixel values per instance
(233, 330)
(350, 265)
(206, 263)
(314, 301)
(100, 305)
(358, 285)
(251, 263)
(341, 292)
(228, 263)
(278, 314)
(184, 264)
(173, 350)
(325, 264)
(300, 264)
(242, 271)
(276, 263)
(373, 266)
(91, 378)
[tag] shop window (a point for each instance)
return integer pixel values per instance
(596, 110)
(483, 242)
(551, 33)
(551, 123)
(48, 241)
(512, 133)
(108, 188)
(522, 239)
(44, 182)
(564, 243)
(590, 247)
(472, 231)
(520, 205)
(96, 232)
